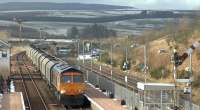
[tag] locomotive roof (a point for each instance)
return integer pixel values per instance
(60, 66)
(63, 67)
(72, 69)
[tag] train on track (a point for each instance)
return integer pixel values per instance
(67, 82)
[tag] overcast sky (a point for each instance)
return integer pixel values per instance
(142, 4)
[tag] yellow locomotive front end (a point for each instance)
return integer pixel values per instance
(72, 87)
(72, 84)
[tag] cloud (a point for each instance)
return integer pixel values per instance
(144, 4)
(166, 4)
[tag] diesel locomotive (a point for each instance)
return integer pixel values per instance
(66, 81)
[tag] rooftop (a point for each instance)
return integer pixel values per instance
(155, 86)
(4, 44)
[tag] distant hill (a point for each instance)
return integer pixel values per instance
(56, 6)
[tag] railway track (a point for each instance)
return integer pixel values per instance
(25, 92)
(34, 99)
(116, 75)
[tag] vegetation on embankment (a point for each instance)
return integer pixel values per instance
(160, 44)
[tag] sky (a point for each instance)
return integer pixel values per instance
(141, 4)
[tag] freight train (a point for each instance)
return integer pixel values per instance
(65, 81)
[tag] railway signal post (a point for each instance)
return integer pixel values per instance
(177, 61)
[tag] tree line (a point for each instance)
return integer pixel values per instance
(93, 31)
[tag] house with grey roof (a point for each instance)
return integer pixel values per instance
(4, 59)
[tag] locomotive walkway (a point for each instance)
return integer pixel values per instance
(100, 101)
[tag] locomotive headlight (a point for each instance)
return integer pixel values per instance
(62, 91)
(80, 91)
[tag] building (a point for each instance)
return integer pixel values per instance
(156, 96)
(62, 51)
(4, 59)
(84, 57)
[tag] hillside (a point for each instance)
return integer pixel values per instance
(159, 53)
(161, 62)
(56, 6)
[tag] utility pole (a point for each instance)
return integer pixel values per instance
(111, 72)
(83, 52)
(145, 62)
(91, 56)
(174, 74)
(190, 83)
(20, 29)
(111, 61)
(126, 55)
(78, 53)
(100, 61)
(145, 71)
(78, 47)
(19, 21)
(100, 57)
(127, 71)
(40, 33)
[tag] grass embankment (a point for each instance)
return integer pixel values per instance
(160, 66)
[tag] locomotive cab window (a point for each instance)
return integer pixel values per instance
(72, 77)
(76, 79)
(67, 79)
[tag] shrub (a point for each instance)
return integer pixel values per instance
(160, 72)
(137, 68)
(196, 82)
(114, 63)
(105, 57)
(198, 55)
(183, 74)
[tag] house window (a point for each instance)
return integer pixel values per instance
(4, 54)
